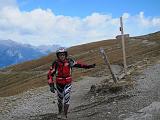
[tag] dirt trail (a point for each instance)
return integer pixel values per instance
(41, 103)
(139, 103)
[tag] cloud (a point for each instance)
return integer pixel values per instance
(140, 24)
(7, 3)
(156, 21)
(41, 26)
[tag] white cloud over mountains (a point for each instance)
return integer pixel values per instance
(39, 26)
(7, 3)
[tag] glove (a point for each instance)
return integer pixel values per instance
(52, 88)
(92, 66)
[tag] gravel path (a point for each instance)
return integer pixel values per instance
(140, 103)
(149, 87)
(41, 103)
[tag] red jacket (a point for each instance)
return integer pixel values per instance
(62, 70)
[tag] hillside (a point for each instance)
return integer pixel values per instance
(27, 75)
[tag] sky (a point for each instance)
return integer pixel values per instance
(73, 22)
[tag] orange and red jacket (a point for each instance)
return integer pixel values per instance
(62, 70)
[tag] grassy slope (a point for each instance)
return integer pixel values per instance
(27, 75)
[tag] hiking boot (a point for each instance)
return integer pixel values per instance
(66, 106)
(59, 116)
(64, 117)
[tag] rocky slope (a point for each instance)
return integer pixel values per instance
(139, 102)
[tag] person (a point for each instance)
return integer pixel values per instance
(62, 69)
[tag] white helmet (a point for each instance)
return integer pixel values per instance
(62, 50)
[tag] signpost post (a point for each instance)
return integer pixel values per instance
(108, 64)
(123, 46)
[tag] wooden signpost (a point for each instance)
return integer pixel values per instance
(108, 64)
(123, 46)
(124, 55)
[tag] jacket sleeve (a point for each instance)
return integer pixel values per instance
(80, 65)
(51, 73)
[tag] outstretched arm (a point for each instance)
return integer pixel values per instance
(80, 65)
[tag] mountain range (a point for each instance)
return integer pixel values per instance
(13, 53)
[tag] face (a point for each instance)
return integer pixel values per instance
(62, 56)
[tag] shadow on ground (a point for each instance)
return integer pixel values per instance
(48, 116)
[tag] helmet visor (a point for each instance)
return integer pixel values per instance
(61, 54)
